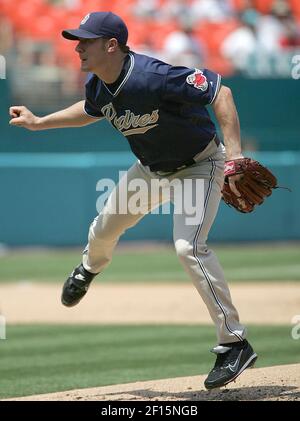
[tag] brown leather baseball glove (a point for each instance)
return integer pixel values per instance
(255, 184)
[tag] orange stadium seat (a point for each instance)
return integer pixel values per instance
(43, 28)
(137, 31)
(158, 31)
(23, 17)
(87, 6)
(212, 34)
(237, 4)
(295, 6)
(59, 16)
(263, 6)
(41, 20)
(6, 7)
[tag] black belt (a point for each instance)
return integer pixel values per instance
(185, 164)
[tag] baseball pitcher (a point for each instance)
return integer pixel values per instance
(162, 112)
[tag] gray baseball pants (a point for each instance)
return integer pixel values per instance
(190, 239)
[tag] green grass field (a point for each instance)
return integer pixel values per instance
(241, 263)
(41, 359)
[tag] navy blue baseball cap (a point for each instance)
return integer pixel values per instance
(98, 25)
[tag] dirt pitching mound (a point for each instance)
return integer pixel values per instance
(258, 303)
(263, 384)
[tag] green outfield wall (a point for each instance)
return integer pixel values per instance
(50, 199)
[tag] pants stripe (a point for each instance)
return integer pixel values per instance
(201, 265)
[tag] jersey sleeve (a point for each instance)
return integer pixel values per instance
(90, 107)
(193, 86)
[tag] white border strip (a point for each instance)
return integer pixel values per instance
(217, 89)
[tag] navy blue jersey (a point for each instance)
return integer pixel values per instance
(159, 108)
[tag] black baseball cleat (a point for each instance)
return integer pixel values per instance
(232, 360)
(76, 286)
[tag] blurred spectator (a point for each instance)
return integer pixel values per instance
(69, 4)
(211, 10)
(290, 37)
(240, 44)
(182, 49)
(273, 27)
(261, 44)
(177, 9)
(146, 8)
(6, 34)
(35, 65)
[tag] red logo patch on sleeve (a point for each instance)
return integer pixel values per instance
(198, 80)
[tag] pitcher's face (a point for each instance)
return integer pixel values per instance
(92, 53)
